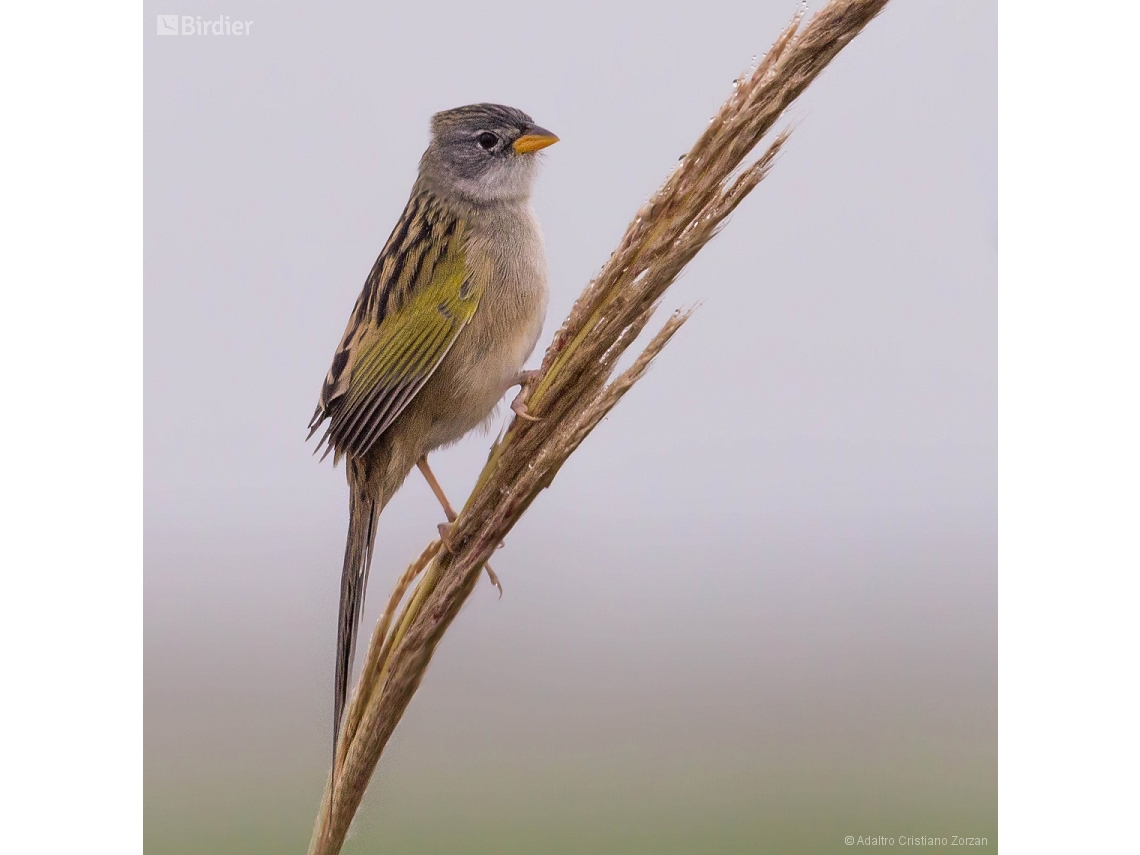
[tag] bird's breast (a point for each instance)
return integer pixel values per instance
(505, 251)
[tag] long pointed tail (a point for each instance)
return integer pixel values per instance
(364, 505)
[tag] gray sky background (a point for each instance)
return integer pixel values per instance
(757, 606)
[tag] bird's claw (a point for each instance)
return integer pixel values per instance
(518, 405)
(444, 529)
(494, 579)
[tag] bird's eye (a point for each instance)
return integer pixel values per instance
(487, 140)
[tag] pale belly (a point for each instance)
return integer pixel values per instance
(492, 349)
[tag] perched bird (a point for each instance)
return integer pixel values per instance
(449, 314)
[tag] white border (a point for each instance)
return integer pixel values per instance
(1069, 427)
(71, 346)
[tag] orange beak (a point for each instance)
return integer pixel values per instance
(538, 138)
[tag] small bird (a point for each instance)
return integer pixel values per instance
(447, 318)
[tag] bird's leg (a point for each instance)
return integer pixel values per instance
(449, 512)
(518, 405)
(429, 476)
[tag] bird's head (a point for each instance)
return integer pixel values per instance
(484, 152)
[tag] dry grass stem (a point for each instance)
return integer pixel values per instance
(574, 391)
